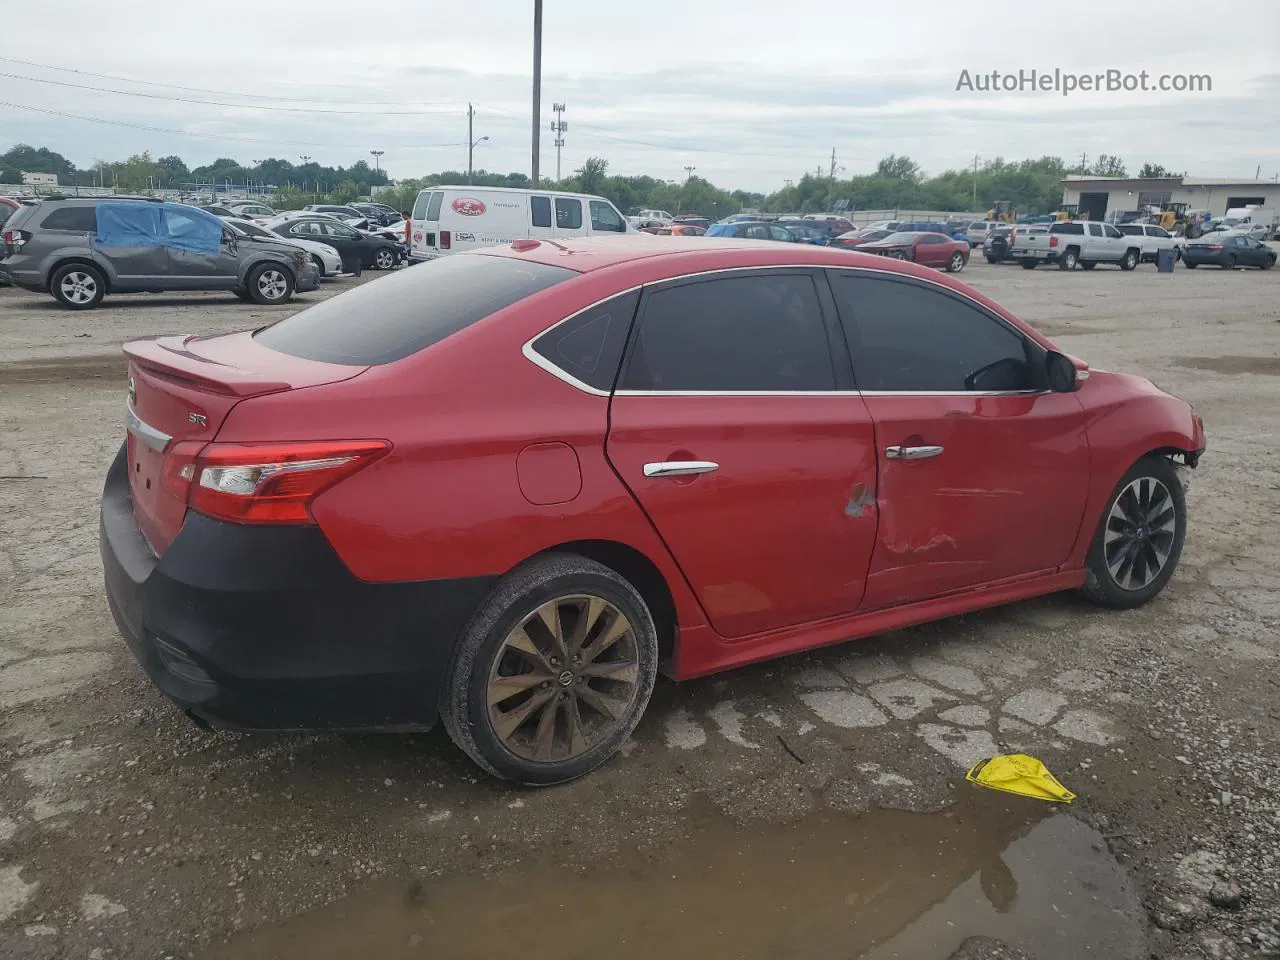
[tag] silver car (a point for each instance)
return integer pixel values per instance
(79, 249)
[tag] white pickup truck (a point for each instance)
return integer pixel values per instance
(1085, 243)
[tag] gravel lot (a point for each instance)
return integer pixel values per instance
(810, 807)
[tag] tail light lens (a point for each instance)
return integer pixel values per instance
(1215, 246)
(1053, 241)
(14, 240)
(445, 239)
(263, 482)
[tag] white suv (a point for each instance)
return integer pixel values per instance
(1154, 239)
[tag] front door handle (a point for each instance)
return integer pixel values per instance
(912, 453)
(679, 468)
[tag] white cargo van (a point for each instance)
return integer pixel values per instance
(447, 219)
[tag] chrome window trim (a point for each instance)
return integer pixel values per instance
(543, 363)
(153, 438)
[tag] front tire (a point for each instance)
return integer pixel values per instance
(384, 259)
(553, 673)
(1191, 266)
(1129, 261)
(269, 284)
(1139, 540)
(1068, 260)
(956, 263)
(993, 259)
(1268, 263)
(78, 286)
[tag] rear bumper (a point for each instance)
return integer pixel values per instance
(264, 628)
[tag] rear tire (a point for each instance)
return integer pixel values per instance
(1141, 531)
(993, 259)
(78, 286)
(1068, 260)
(1231, 262)
(269, 284)
(1028, 264)
(509, 672)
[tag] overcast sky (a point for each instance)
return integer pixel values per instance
(748, 92)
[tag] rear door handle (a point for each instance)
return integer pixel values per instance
(679, 468)
(912, 453)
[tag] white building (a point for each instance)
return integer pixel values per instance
(1101, 197)
(39, 179)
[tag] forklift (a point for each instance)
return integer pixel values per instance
(1002, 211)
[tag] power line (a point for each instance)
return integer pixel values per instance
(218, 103)
(207, 136)
(223, 93)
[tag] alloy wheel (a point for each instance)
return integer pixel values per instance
(385, 259)
(1140, 533)
(78, 287)
(272, 284)
(563, 679)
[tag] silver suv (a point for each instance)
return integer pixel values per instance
(79, 249)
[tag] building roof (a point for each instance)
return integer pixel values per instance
(1076, 180)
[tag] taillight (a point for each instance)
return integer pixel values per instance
(14, 239)
(1053, 241)
(263, 482)
(445, 239)
(1215, 246)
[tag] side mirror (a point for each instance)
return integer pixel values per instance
(1061, 373)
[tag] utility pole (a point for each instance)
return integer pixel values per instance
(537, 87)
(1257, 174)
(558, 127)
(1084, 164)
(833, 164)
(688, 171)
(471, 113)
(975, 182)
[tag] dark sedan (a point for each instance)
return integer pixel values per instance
(752, 230)
(356, 249)
(1229, 252)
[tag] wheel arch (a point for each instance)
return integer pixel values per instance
(642, 573)
(253, 264)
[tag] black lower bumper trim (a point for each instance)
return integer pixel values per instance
(264, 628)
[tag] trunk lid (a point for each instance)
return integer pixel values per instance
(180, 392)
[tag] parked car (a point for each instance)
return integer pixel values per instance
(752, 230)
(249, 210)
(926, 249)
(978, 231)
(343, 211)
(378, 214)
(856, 238)
(450, 218)
(8, 207)
(679, 230)
(79, 249)
(342, 539)
(1154, 238)
(358, 251)
(835, 225)
(327, 260)
(808, 231)
(1071, 242)
(660, 215)
(1228, 251)
(217, 209)
(702, 222)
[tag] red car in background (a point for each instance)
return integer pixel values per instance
(506, 488)
(856, 238)
(926, 249)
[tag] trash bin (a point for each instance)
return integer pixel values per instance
(1165, 259)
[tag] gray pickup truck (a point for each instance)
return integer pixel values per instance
(1085, 243)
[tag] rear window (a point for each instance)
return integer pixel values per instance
(1130, 229)
(720, 230)
(408, 311)
(79, 219)
(6, 212)
(1075, 229)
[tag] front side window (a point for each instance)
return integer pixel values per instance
(757, 231)
(720, 230)
(745, 333)
(568, 213)
(604, 217)
(540, 211)
(909, 338)
(589, 347)
(306, 229)
(341, 230)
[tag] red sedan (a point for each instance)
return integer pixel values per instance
(508, 487)
(927, 249)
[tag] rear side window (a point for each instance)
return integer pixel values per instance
(732, 334)
(589, 347)
(540, 211)
(433, 205)
(408, 311)
(720, 230)
(79, 219)
(419, 211)
(568, 213)
(1075, 229)
(1131, 230)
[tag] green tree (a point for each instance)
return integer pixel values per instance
(592, 174)
(9, 173)
(1108, 165)
(901, 168)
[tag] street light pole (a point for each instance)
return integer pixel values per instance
(537, 86)
(471, 141)
(377, 160)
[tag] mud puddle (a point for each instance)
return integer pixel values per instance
(888, 884)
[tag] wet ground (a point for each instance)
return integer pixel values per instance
(125, 832)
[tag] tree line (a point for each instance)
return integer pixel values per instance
(898, 182)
